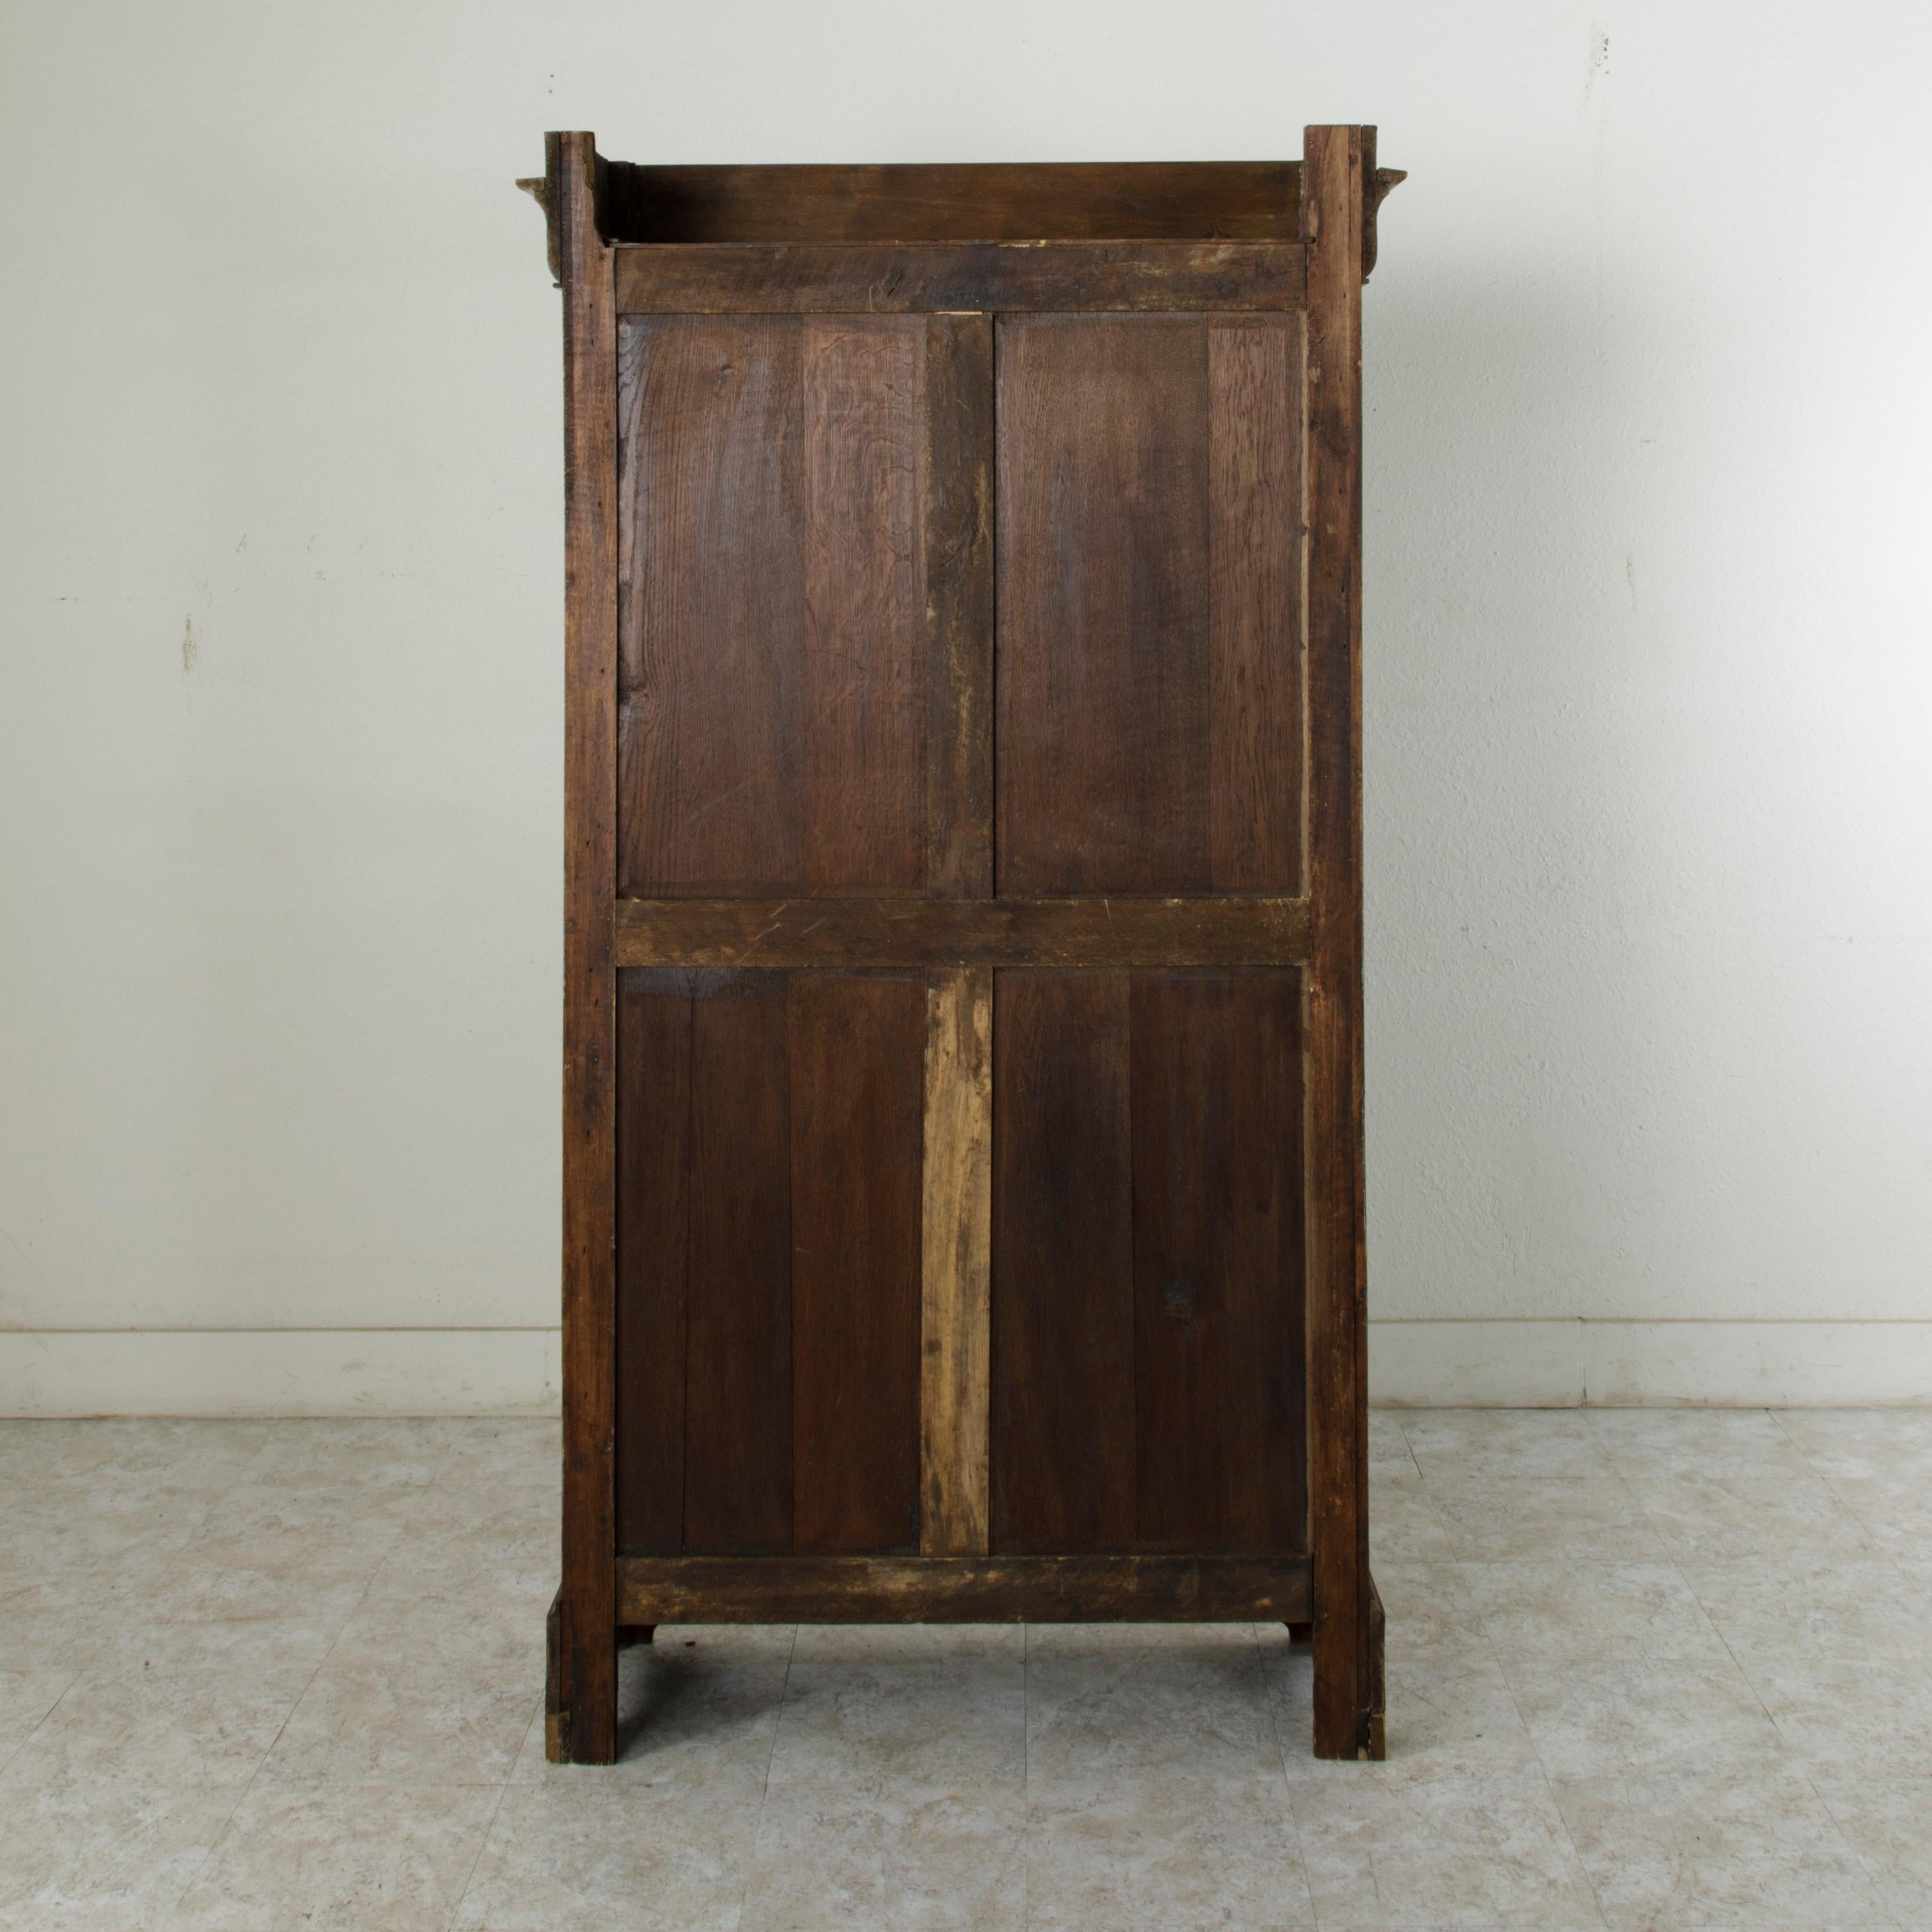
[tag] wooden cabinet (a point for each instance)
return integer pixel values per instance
(962, 1075)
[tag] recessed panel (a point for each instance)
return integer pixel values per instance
(772, 604)
(1149, 699)
(1147, 1325)
(769, 1144)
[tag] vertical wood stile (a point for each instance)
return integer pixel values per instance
(581, 1727)
(956, 1232)
(956, 1301)
(959, 540)
(1338, 163)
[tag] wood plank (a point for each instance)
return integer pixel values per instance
(738, 1377)
(1255, 669)
(1063, 1410)
(929, 1589)
(1337, 162)
(958, 549)
(586, 1697)
(998, 201)
(956, 1319)
(713, 597)
(1064, 277)
(654, 1012)
(1221, 1430)
(1091, 931)
(856, 1100)
(1103, 768)
(864, 639)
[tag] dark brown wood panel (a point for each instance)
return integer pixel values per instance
(829, 932)
(858, 1094)
(738, 1382)
(1102, 581)
(959, 600)
(654, 1027)
(1221, 1425)
(1062, 1450)
(995, 1589)
(998, 201)
(1255, 694)
(772, 605)
(1149, 699)
(807, 278)
(864, 684)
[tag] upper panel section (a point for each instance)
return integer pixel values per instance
(772, 619)
(1149, 673)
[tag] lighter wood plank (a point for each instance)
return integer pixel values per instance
(956, 1300)
(828, 933)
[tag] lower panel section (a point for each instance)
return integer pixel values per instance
(937, 1589)
(1147, 1263)
(768, 1138)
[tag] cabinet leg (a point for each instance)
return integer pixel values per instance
(1348, 1694)
(580, 1691)
(1299, 1633)
(631, 1635)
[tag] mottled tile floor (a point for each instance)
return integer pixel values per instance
(1650, 1669)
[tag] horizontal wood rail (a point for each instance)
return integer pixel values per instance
(820, 278)
(969, 201)
(980, 1589)
(1070, 932)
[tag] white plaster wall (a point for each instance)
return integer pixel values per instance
(1649, 682)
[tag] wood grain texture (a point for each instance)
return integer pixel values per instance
(1220, 1421)
(956, 1319)
(654, 1112)
(585, 1700)
(1255, 719)
(1063, 1409)
(1149, 698)
(1093, 931)
(999, 201)
(884, 278)
(927, 1589)
(1337, 162)
(958, 536)
(857, 1098)
(738, 1376)
(1102, 583)
(863, 680)
(774, 613)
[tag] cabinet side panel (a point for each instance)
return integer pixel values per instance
(1062, 1451)
(1102, 769)
(857, 1043)
(1255, 677)
(1222, 1451)
(738, 1431)
(712, 607)
(864, 640)
(654, 1016)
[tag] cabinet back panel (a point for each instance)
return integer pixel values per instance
(771, 603)
(1149, 698)
(768, 1293)
(1147, 1275)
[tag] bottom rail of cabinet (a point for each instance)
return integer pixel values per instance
(963, 1589)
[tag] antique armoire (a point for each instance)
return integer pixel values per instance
(962, 1124)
